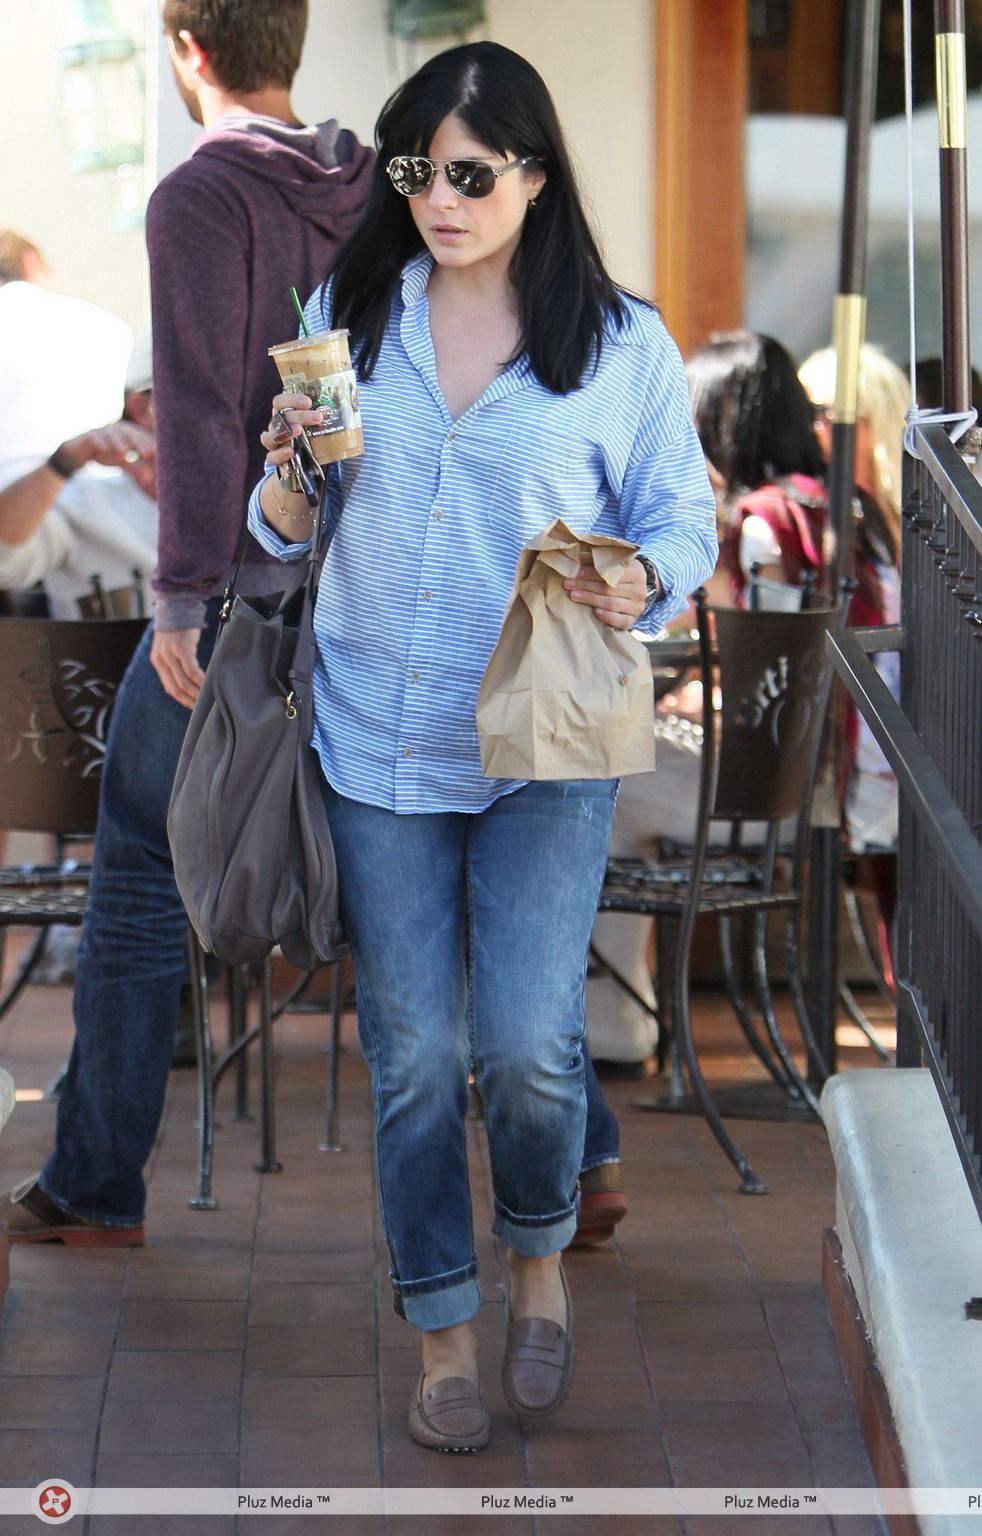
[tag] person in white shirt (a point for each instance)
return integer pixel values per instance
(62, 361)
(88, 515)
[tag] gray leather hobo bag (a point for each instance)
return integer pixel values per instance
(247, 826)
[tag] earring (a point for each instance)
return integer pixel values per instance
(532, 202)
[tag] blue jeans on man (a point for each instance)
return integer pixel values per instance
(131, 961)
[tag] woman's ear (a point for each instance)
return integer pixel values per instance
(534, 182)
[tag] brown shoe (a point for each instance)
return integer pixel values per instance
(602, 1205)
(537, 1371)
(449, 1416)
(33, 1217)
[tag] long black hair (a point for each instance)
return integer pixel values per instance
(564, 293)
(751, 412)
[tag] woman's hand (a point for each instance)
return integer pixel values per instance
(619, 606)
(290, 413)
(286, 510)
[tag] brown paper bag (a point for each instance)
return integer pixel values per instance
(565, 696)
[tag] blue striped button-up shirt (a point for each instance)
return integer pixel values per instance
(431, 523)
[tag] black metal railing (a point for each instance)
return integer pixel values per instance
(933, 741)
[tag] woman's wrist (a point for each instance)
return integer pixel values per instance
(284, 510)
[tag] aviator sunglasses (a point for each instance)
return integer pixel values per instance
(412, 174)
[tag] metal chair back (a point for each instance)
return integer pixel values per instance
(57, 686)
(774, 678)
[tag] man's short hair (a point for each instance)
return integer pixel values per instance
(13, 249)
(250, 43)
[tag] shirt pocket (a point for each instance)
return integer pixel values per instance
(480, 471)
(546, 483)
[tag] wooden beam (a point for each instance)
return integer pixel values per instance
(701, 65)
(815, 57)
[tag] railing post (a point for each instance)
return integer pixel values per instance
(848, 328)
(912, 514)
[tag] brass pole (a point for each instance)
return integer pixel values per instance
(949, 57)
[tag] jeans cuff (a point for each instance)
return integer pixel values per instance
(99, 1216)
(535, 1242)
(440, 1309)
(600, 1161)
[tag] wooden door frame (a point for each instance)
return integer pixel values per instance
(701, 63)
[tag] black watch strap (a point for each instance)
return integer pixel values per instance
(62, 465)
(655, 588)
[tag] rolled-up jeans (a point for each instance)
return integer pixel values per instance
(469, 934)
(131, 961)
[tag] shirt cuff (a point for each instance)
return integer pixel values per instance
(664, 608)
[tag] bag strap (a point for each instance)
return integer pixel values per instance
(305, 566)
(302, 669)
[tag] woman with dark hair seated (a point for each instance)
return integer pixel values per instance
(755, 424)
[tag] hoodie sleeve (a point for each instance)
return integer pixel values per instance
(197, 246)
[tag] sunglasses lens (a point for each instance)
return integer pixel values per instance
(470, 178)
(410, 174)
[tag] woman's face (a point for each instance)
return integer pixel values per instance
(464, 232)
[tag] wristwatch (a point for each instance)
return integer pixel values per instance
(62, 465)
(655, 589)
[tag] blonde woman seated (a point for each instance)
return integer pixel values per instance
(882, 400)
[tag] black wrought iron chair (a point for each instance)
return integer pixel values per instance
(760, 750)
(57, 688)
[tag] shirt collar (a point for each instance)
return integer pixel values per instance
(415, 276)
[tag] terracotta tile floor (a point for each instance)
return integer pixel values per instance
(256, 1344)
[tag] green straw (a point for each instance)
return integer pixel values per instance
(299, 309)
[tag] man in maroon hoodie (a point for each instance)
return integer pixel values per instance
(260, 205)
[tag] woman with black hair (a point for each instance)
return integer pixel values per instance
(755, 424)
(504, 380)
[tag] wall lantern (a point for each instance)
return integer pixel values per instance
(423, 20)
(419, 28)
(102, 104)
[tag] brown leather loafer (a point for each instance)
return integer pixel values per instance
(537, 1371)
(33, 1217)
(602, 1205)
(449, 1416)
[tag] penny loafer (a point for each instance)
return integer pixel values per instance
(449, 1416)
(33, 1217)
(537, 1371)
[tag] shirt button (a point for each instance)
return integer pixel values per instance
(451, 435)
(407, 752)
(416, 677)
(427, 595)
(438, 513)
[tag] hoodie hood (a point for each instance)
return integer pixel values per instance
(321, 172)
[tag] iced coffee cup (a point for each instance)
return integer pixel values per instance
(320, 367)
